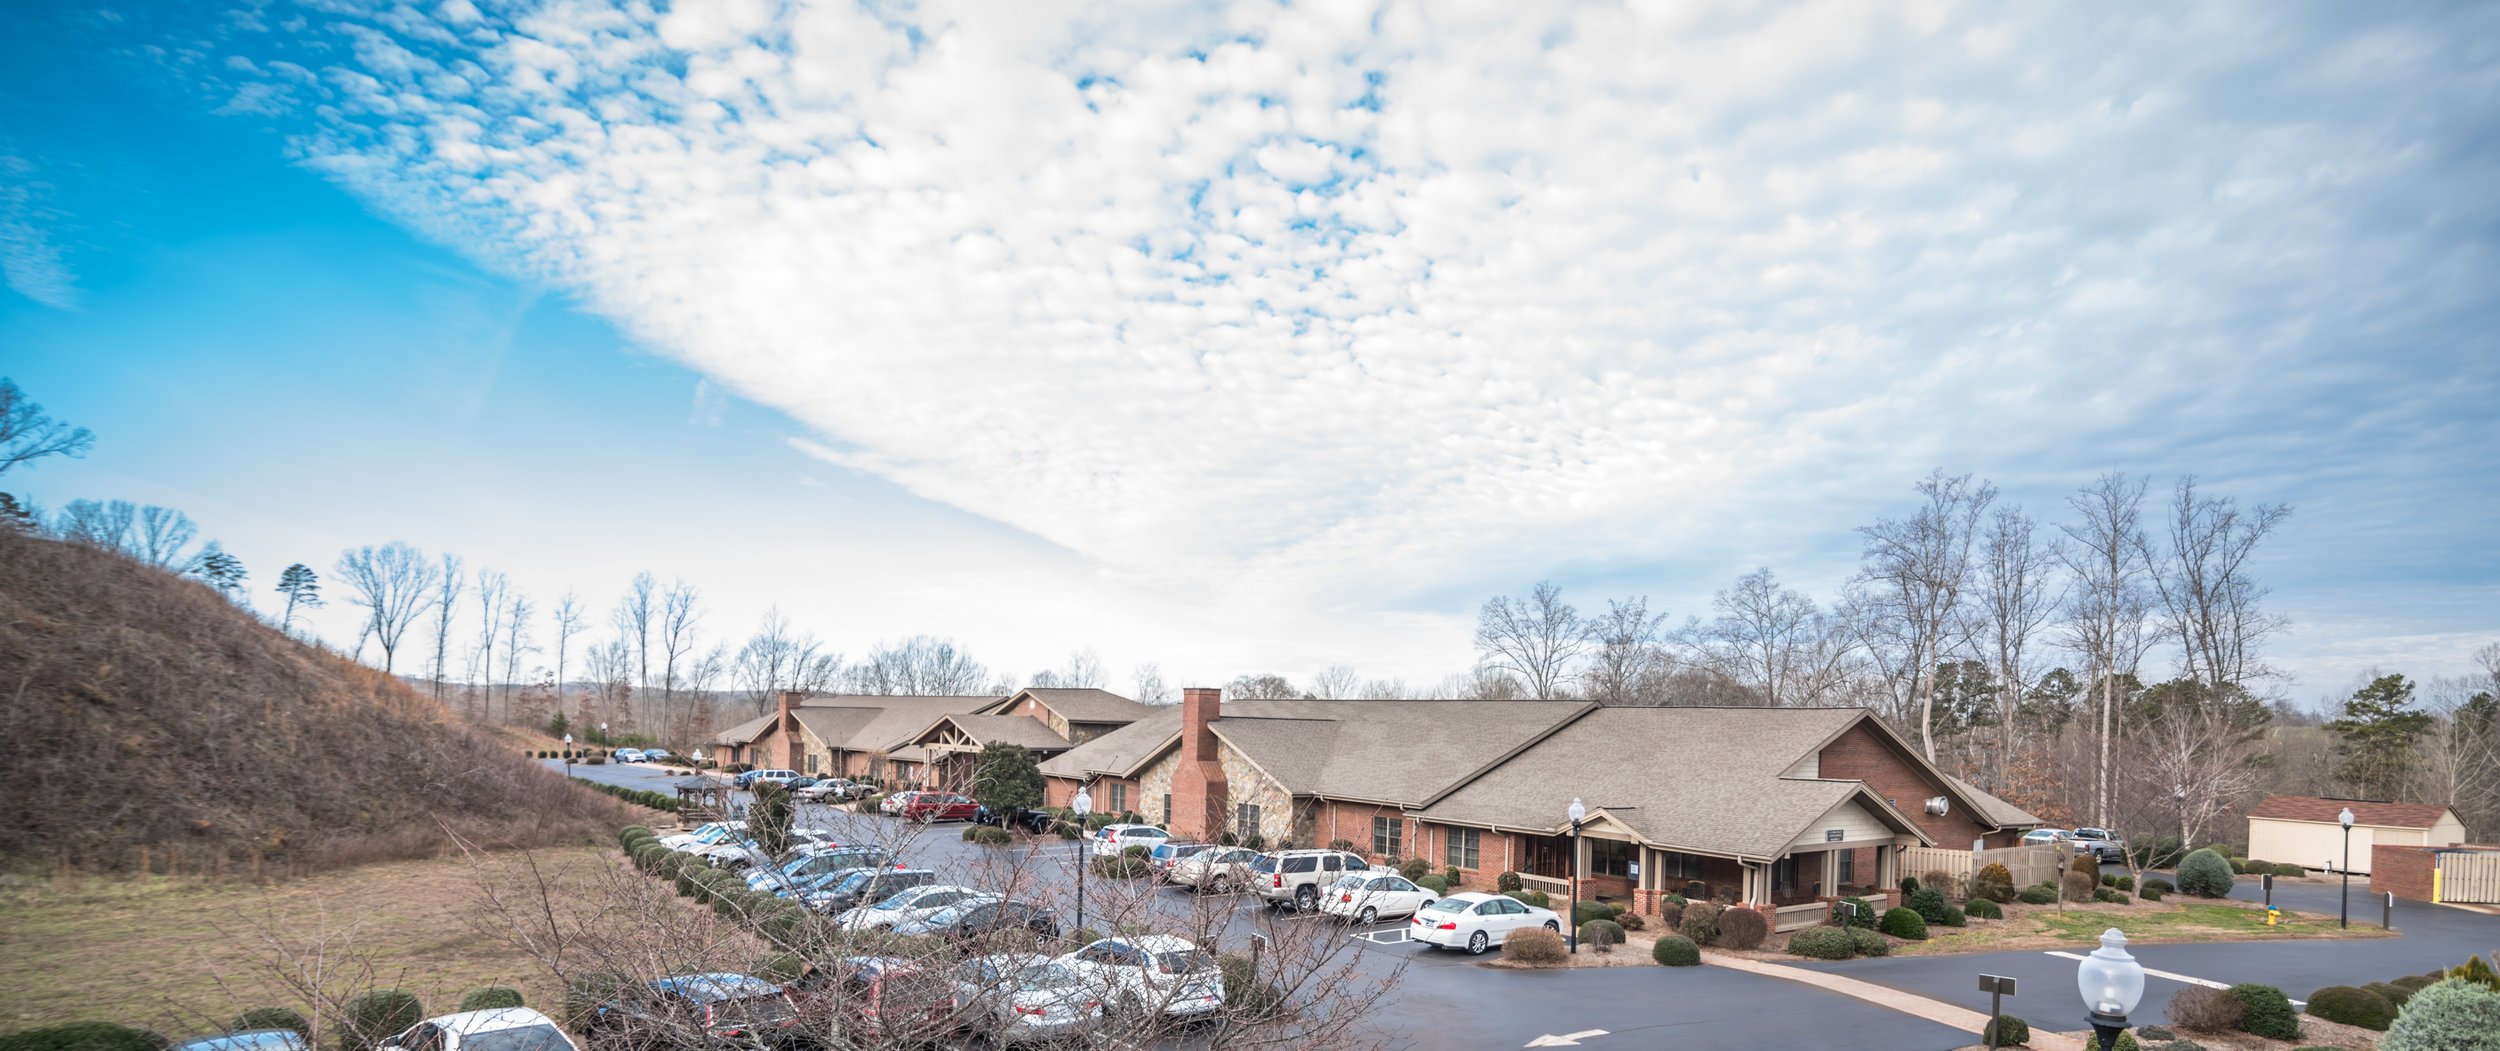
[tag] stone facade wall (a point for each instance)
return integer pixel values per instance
(1154, 783)
(1245, 784)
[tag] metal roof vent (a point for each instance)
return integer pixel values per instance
(1939, 805)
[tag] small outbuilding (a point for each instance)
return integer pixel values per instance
(2308, 830)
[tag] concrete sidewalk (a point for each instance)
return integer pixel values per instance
(1936, 1011)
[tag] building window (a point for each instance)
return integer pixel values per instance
(1167, 809)
(811, 762)
(1245, 819)
(1672, 865)
(1610, 857)
(1464, 844)
(1848, 867)
(1389, 837)
(1119, 799)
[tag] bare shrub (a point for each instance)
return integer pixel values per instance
(1742, 929)
(1536, 947)
(2205, 1010)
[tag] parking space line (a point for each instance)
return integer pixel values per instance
(2188, 978)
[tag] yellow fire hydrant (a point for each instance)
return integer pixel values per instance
(2273, 916)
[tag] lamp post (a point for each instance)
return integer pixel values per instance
(1082, 804)
(568, 755)
(603, 735)
(1577, 812)
(2111, 982)
(2345, 819)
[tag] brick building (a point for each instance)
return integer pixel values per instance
(919, 740)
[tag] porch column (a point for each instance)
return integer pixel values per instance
(1831, 873)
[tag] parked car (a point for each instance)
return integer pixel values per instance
(817, 884)
(2105, 845)
(895, 802)
(629, 755)
(818, 861)
(907, 904)
(656, 755)
(2039, 837)
(1365, 897)
(1112, 839)
(939, 806)
(866, 885)
(1024, 998)
(1154, 972)
(979, 917)
(1169, 853)
(248, 1040)
(752, 778)
(1476, 921)
(873, 1001)
(1214, 871)
(717, 1009)
(501, 1029)
(1295, 877)
(740, 854)
(828, 788)
(704, 835)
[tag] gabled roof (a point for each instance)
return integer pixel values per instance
(1993, 810)
(1120, 752)
(2364, 811)
(869, 723)
(1001, 729)
(1712, 782)
(746, 732)
(1088, 705)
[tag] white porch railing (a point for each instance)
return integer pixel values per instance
(1557, 888)
(1793, 917)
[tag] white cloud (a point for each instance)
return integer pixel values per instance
(1299, 303)
(30, 263)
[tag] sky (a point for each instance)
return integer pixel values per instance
(1260, 338)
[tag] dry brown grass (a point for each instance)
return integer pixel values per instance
(154, 727)
(181, 955)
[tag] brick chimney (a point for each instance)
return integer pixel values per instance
(793, 744)
(1201, 807)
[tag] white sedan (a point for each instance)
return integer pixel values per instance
(1113, 839)
(1476, 921)
(704, 836)
(740, 854)
(1364, 897)
(912, 904)
(1153, 972)
(499, 1029)
(629, 755)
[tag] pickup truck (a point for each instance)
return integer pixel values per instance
(2106, 846)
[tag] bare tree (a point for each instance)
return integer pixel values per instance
(1150, 686)
(447, 587)
(635, 615)
(2016, 599)
(569, 622)
(1763, 633)
(516, 646)
(493, 590)
(1083, 671)
(1920, 566)
(1336, 682)
(2209, 600)
(106, 525)
(2198, 750)
(163, 539)
(679, 614)
(27, 434)
(920, 666)
(391, 582)
(1264, 688)
(1629, 666)
(2458, 762)
(702, 675)
(2106, 607)
(1389, 689)
(611, 669)
(1536, 638)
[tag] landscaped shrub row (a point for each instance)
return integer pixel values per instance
(1838, 943)
(84, 1036)
(781, 922)
(640, 797)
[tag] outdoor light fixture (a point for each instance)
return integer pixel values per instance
(568, 755)
(1577, 812)
(1083, 804)
(2111, 982)
(2345, 819)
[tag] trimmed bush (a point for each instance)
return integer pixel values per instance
(2038, 896)
(1928, 902)
(1633, 921)
(2108, 880)
(1536, 946)
(1822, 943)
(2207, 1010)
(1985, 909)
(2158, 883)
(1905, 923)
(1742, 928)
(378, 1014)
(1590, 910)
(2006, 1031)
(1249, 997)
(989, 836)
(1601, 935)
(1671, 915)
(2266, 1012)
(1533, 897)
(83, 1036)
(2451, 1015)
(1433, 883)
(1868, 943)
(1121, 866)
(272, 1018)
(1506, 882)
(490, 998)
(1993, 883)
(2361, 1007)
(2080, 887)
(583, 994)
(1909, 885)
(1675, 950)
(2152, 890)
(2239, 866)
(1865, 916)
(2395, 995)
(1953, 916)
(2125, 883)
(2205, 874)
(1701, 922)
(2108, 896)
(1414, 869)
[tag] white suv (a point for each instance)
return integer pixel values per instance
(1296, 877)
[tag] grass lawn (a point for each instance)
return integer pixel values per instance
(2046, 926)
(181, 956)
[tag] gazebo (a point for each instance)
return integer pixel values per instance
(701, 799)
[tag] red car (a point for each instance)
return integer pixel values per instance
(939, 806)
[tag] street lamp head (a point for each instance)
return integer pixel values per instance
(1083, 803)
(1577, 811)
(568, 738)
(2345, 818)
(2111, 981)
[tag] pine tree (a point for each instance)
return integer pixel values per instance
(301, 587)
(2377, 734)
(222, 571)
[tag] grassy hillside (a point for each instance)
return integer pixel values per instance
(148, 721)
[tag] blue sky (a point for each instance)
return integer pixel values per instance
(1251, 338)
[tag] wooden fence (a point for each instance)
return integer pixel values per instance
(2028, 864)
(2468, 877)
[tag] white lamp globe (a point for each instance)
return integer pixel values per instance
(2110, 980)
(1577, 811)
(2345, 818)
(1083, 804)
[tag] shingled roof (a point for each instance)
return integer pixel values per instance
(746, 732)
(1714, 784)
(1120, 752)
(1994, 810)
(2364, 811)
(1092, 706)
(1004, 729)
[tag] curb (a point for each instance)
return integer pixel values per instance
(1936, 1011)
